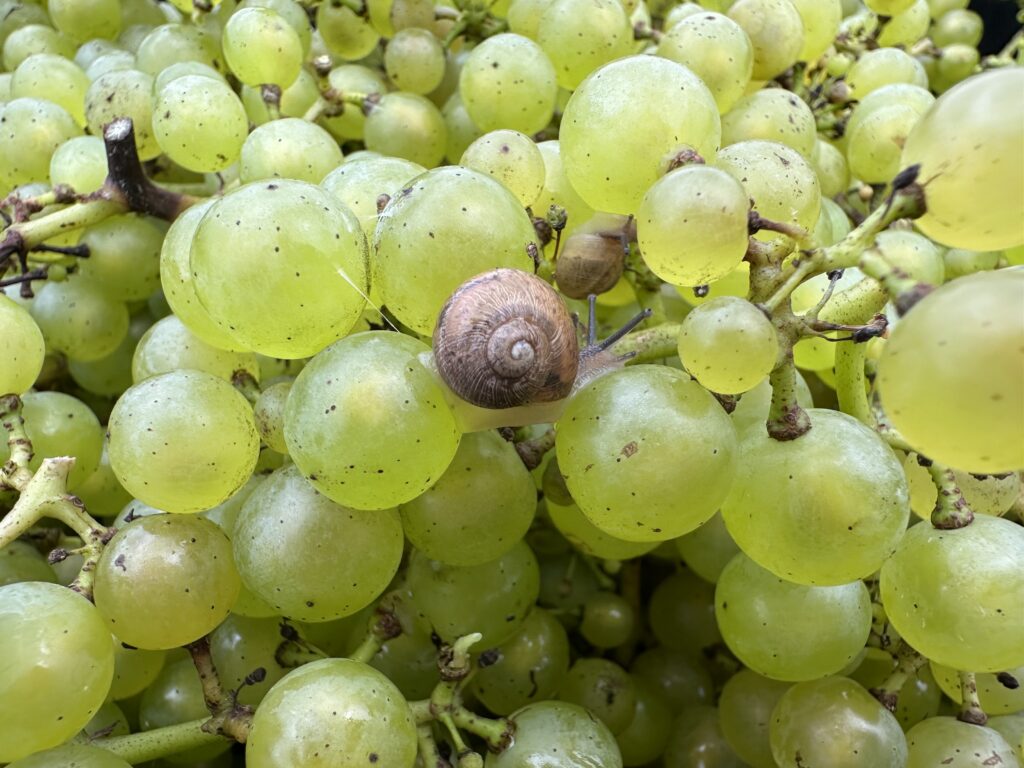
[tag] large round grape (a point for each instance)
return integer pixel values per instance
(581, 35)
(627, 121)
(262, 47)
(826, 508)
(557, 734)
(333, 713)
(950, 375)
(199, 123)
(368, 424)
(647, 453)
(950, 743)
(954, 595)
(299, 283)
(745, 710)
(183, 441)
(970, 146)
(58, 664)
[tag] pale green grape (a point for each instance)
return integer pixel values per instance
(352, 78)
(291, 12)
(109, 720)
(958, 61)
(790, 631)
(995, 698)
(345, 34)
(199, 123)
(874, 148)
(919, 696)
(939, 7)
(968, 415)
(986, 494)
(907, 27)
(73, 756)
(915, 255)
(124, 255)
(602, 687)
(349, 556)
(58, 663)
(947, 742)
(736, 283)
(503, 591)
(558, 191)
(359, 417)
(957, 26)
(620, 433)
(409, 661)
(360, 185)
(728, 345)
(888, 7)
(21, 14)
(608, 620)
(954, 594)
(591, 540)
(524, 16)
(304, 264)
(261, 47)
(772, 114)
(115, 61)
(834, 220)
(20, 561)
(83, 20)
(826, 508)
(557, 734)
(776, 34)
(34, 38)
(406, 125)
(692, 225)
(296, 99)
(183, 441)
(240, 646)
(289, 148)
(23, 352)
(682, 680)
(134, 670)
(625, 123)
(835, 722)
(460, 130)
(579, 36)
(647, 734)
(124, 93)
(446, 226)
(829, 164)
(1011, 728)
(171, 43)
(897, 94)
(969, 144)
(80, 163)
(754, 405)
(565, 584)
(821, 24)
(170, 346)
(708, 549)
(697, 741)
(101, 491)
(959, 262)
(364, 713)
(884, 66)
(681, 614)
(511, 158)
(30, 133)
(745, 712)
(269, 414)
(79, 319)
(52, 77)
(415, 61)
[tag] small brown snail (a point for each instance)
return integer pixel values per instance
(594, 256)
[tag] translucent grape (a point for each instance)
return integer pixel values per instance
(511, 158)
(776, 34)
(345, 34)
(917, 256)
(697, 740)
(957, 63)
(30, 133)
(21, 359)
(241, 645)
(549, 731)
(414, 61)
(170, 346)
(644, 739)
(995, 698)
(72, 756)
(772, 114)
(565, 585)
(352, 78)
(20, 561)
(591, 540)
(291, 12)
(884, 66)
(829, 164)
(821, 23)
(745, 714)
(124, 93)
(681, 614)
(52, 77)
(360, 185)
(708, 549)
(171, 43)
(83, 20)
(608, 620)
(124, 255)
(269, 414)
(289, 148)
(34, 38)
(682, 680)
(79, 319)
(957, 26)
(460, 130)
(579, 36)
(627, 121)
(134, 670)
(950, 743)
(1011, 728)
(557, 189)
(115, 61)
(888, 7)
(409, 661)
(261, 47)
(524, 16)
(406, 125)
(604, 688)
(907, 27)
(199, 123)
(80, 163)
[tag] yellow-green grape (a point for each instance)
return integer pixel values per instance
(888, 7)
(199, 123)
(943, 587)
(83, 20)
(134, 670)
(558, 191)
(53, 642)
(579, 36)
(30, 133)
(817, 354)
(717, 50)
(995, 698)
(919, 696)
(829, 164)
(604, 688)
(352, 78)
(20, 15)
(986, 494)
(239, 646)
(591, 540)
(939, 7)
(692, 225)
(460, 130)
(504, 590)
(620, 432)
(124, 93)
(305, 260)
(261, 47)
(20, 561)
(959, 262)
(772, 114)
(708, 549)
(360, 185)
(951, 743)
(269, 414)
(839, 223)
(565, 585)
(21, 358)
(291, 12)
(874, 148)
(513, 159)
(647, 734)
(745, 710)
(296, 99)
(968, 145)
(359, 415)
(183, 441)
(414, 61)
(52, 77)
(897, 94)
(35, 38)
(115, 61)
(968, 417)
(784, 510)
(531, 665)
(289, 148)
(680, 12)
(524, 16)
(907, 27)
(752, 409)
(821, 24)
(681, 614)
(835, 722)
(957, 26)
(409, 660)
(776, 34)
(728, 345)
(608, 620)
(73, 756)
(781, 183)
(344, 34)
(554, 733)
(697, 740)
(169, 345)
(627, 121)
(171, 43)
(915, 255)
(406, 125)
(682, 680)
(101, 491)
(80, 163)
(790, 631)
(109, 720)
(736, 283)
(1011, 728)
(124, 255)
(958, 61)
(884, 66)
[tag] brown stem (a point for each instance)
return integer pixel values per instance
(533, 451)
(951, 508)
(970, 708)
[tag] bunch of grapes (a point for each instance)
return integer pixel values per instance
(510, 384)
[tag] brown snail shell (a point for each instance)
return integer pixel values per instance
(505, 339)
(590, 263)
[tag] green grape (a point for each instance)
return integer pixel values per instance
(20, 561)
(967, 416)
(959, 262)
(415, 61)
(790, 631)
(344, 34)
(829, 163)
(953, 594)
(647, 734)
(986, 494)
(708, 549)
(558, 191)
(410, 662)
(692, 225)
(360, 185)
(93, 49)
(296, 99)
(166, 580)
(781, 183)
(957, 27)
(460, 130)
(134, 670)
(772, 114)
(918, 697)
(950, 743)
(31, 131)
(728, 345)
(79, 319)
(365, 714)
(504, 590)
(907, 27)
(315, 300)
(835, 722)
(18, 14)
(23, 352)
(124, 93)
(349, 556)
(169, 345)
(826, 508)
(358, 415)
(681, 614)
(682, 681)
(79, 163)
(511, 158)
(52, 77)
(53, 643)
(531, 666)
(818, 354)
(447, 226)
(565, 584)
(888, 7)
(974, 198)
(109, 720)
(262, 47)
(697, 741)
(820, 20)
(560, 735)
(35, 38)
(1011, 728)
(627, 121)
(604, 688)
(915, 255)
(406, 125)
(132, 511)
(754, 405)
(776, 33)
(115, 61)
(72, 756)
(268, 412)
(182, 441)
(239, 646)
(288, 148)
(572, 523)
(199, 123)
(578, 36)
(618, 435)
(291, 12)
(478, 509)
(171, 43)
(352, 78)
(524, 17)
(101, 491)
(608, 620)
(83, 20)
(124, 255)
(884, 66)
(836, 220)
(745, 713)
(995, 698)
(958, 61)
(939, 7)
(874, 149)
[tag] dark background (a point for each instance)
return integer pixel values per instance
(1000, 23)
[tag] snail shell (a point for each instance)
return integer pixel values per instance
(591, 262)
(505, 339)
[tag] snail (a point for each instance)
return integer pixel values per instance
(506, 347)
(594, 255)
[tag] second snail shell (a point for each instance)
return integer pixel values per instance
(505, 339)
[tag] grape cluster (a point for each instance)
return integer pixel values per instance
(510, 384)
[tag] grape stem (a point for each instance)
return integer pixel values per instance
(908, 662)
(141, 747)
(951, 508)
(332, 102)
(427, 746)
(650, 344)
(533, 451)
(970, 708)
(228, 717)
